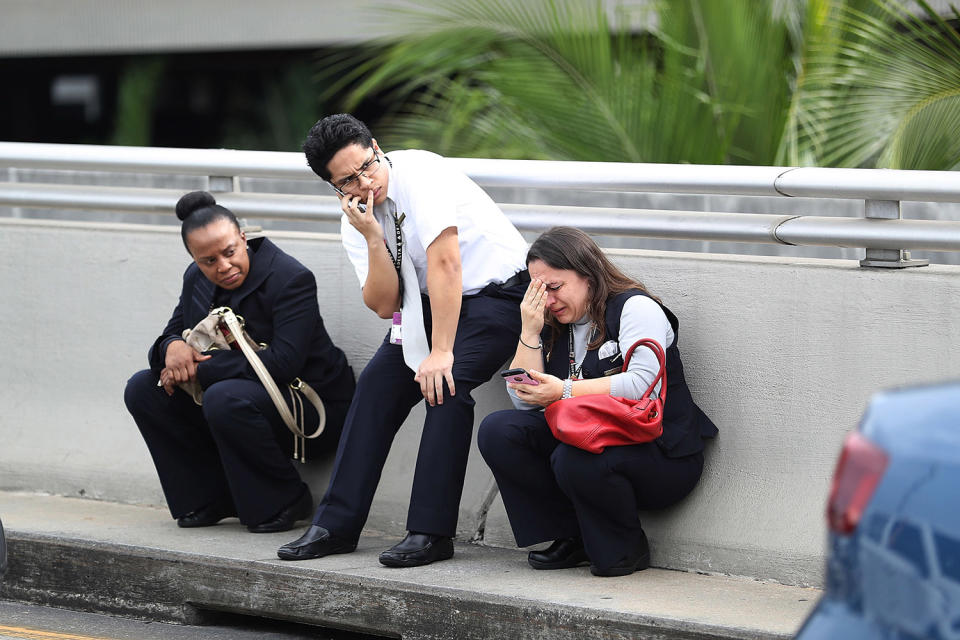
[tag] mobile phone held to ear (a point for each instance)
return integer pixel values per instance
(518, 376)
(360, 205)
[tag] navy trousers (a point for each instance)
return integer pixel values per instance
(386, 392)
(552, 490)
(234, 450)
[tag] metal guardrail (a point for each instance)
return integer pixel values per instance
(882, 231)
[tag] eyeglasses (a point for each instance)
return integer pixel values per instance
(368, 169)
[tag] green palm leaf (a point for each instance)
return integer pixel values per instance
(886, 94)
(562, 79)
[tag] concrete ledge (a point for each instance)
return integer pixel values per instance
(782, 353)
(133, 560)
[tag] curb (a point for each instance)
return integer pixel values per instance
(172, 586)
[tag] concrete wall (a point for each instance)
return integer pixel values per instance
(49, 27)
(783, 353)
(54, 27)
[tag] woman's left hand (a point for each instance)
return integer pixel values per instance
(547, 392)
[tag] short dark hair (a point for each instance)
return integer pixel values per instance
(197, 209)
(569, 249)
(330, 135)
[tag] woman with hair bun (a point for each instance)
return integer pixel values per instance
(232, 455)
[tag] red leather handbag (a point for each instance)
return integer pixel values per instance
(593, 422)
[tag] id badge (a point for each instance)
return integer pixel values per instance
(395, 336)
(608, 349)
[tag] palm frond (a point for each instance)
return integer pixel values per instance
(885, 94)
(561, 79)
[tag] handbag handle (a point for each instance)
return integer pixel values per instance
(661, 376)
(267, 380)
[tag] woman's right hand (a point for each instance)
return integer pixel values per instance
(180, 365)
(532, 311)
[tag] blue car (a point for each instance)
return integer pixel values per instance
(893, 567)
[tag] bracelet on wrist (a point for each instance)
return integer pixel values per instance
(567, 389)
(539, 346)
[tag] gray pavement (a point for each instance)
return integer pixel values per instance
(133, 560)
(34, 622)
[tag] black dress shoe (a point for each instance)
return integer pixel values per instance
(301, 509)
(315, 543)
(636, 561)
(418, 549)
(206, 516)
(562, 554)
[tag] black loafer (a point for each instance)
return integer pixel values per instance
(206, 516)
(418, 549)
(562, 554)
(301, 509)
(315, 543)
(637, 561)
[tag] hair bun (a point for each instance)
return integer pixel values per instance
(193, 201)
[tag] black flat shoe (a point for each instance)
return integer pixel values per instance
(418, 549)
(206, 516)
(637, 561)
(562, 554)
(315, 543)
(301, 509)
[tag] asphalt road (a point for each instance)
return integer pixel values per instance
(19, 621)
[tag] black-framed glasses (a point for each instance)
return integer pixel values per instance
(368, 169)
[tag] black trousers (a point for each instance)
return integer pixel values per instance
(386, 392)
(234, 450)
(552, 490)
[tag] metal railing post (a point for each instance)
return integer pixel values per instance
(231, 184)
(12, 175)
(887, 258)
(222, 184)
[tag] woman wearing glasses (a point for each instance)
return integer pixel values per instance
(580, 315)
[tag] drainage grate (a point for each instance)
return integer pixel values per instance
(274, 629)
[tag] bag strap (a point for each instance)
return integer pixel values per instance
(314, 398)
(661, 376)
(270, 385)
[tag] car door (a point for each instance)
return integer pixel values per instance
(897, 590)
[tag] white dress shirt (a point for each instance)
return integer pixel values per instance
(434, 196)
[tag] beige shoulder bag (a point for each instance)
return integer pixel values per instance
(219, 331)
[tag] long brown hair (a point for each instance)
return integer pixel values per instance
(569, 249)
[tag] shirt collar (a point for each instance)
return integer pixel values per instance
(392, 187)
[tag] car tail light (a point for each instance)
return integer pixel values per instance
(857, 475)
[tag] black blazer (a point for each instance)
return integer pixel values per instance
(278, 301)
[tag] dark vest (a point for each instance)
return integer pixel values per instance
(685, 425)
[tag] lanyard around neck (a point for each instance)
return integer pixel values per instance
(397, 221)
(574, 368)
(398, 259)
